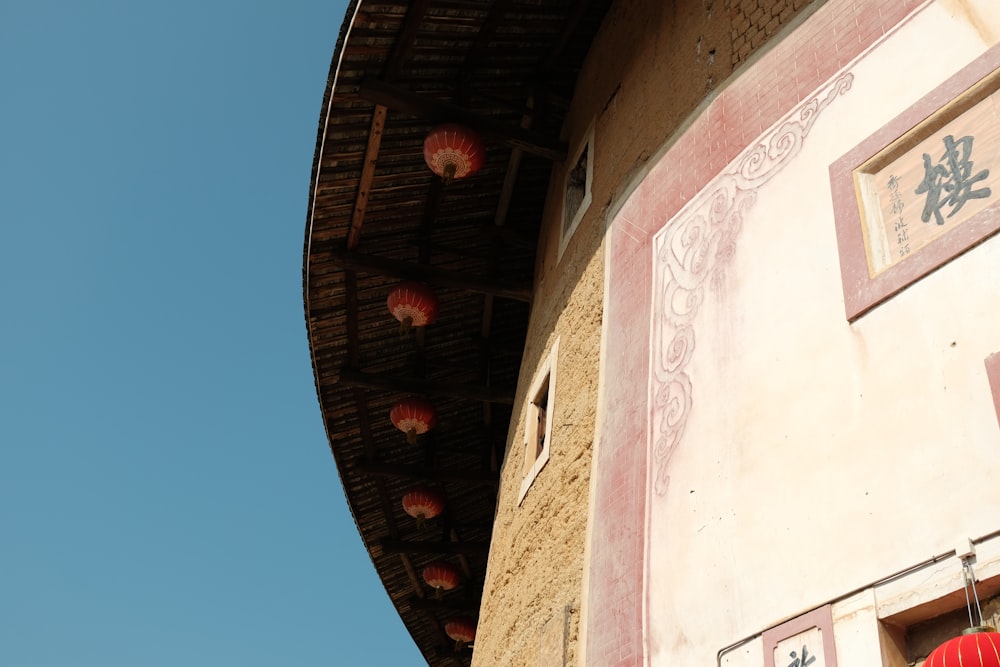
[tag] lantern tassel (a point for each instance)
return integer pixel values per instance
(438, 592)
(449, 173)
(411, 436)
(405, 325)
(421, 521)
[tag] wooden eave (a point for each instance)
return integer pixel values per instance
(378, 215)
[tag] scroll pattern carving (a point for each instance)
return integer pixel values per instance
(692, 251)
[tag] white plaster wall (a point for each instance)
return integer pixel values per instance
(820, 456)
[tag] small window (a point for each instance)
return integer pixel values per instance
(911, 644)
(993, 375)
(577, 185)
(538, 425)
(541, 406)
(925, 607)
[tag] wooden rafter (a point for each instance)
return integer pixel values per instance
(351, 261)
(375, 217)
(367, 174)
(411, 385)
(428, 547)
(447, 604)
(404, 42)
(400, 99)
(429, 473)
(486, 32)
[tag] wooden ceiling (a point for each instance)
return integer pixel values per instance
(377, 215)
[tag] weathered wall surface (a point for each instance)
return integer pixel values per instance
(651, 66)
(824, 435)
(754, 22)
(790, 454)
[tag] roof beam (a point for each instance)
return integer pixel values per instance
(429, 473)
(367, 174)
(412, 385)
(352, 261)
(487, 32)
(454, 605)
(400, 99)
(391, 546)
(403, 47)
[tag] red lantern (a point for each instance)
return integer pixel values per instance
(413, 416)
(462, 630)
(442, 576)
(976, 647)
(413, 304)
(454, 151)
(422, 503)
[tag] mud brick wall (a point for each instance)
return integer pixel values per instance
(756, 21)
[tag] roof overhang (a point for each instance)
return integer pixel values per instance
(377, 215)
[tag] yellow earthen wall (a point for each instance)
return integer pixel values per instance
(650, 67)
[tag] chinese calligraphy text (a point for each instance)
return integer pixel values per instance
(950, 181)
(803, 661)
(899, 224)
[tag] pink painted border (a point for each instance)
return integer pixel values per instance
(993, 374)
(863, 292)
(821, 618)
(782, 78)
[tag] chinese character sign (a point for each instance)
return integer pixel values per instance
(915, 195)
(801, 661)
(949, 181)
(806, 641)
(896, 208)
(921, 190)
(802, 650)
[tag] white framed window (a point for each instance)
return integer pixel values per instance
(538, 424)
(578, 180)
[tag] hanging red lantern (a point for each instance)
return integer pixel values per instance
(413, 416)
(413, 304)
(454, 151)
(976, 647)
(422, 503)
(462, 630)
(442, 576)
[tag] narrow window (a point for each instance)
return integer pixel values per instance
(910, 644)
(576, 190)
(541, 405)
(538, 420)
(577, 186)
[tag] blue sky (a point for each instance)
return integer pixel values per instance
(167, 496)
